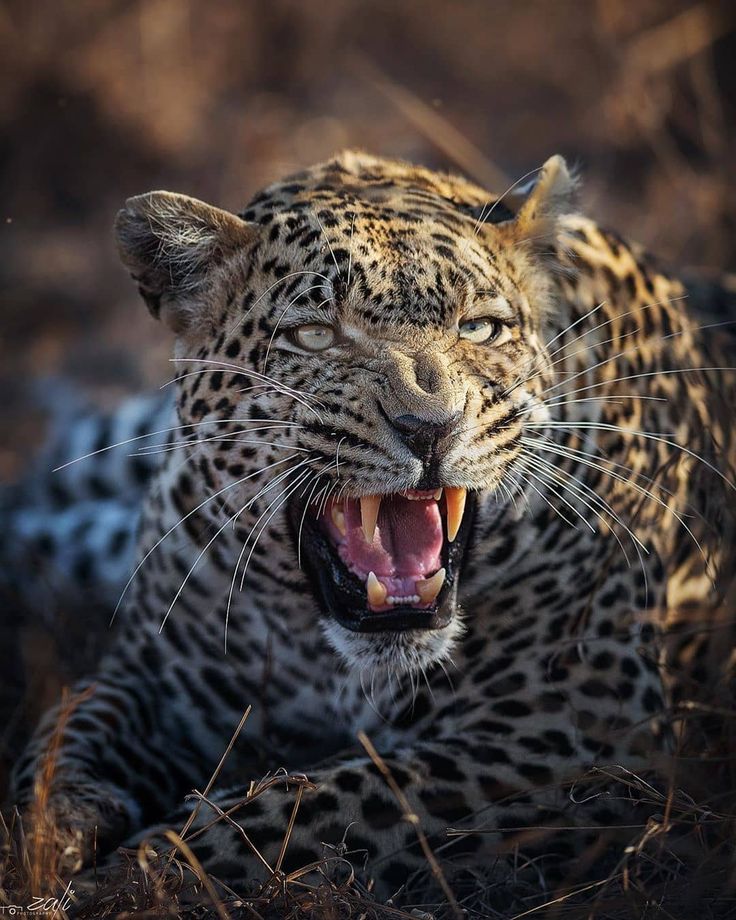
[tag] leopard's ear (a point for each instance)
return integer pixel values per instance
(171, 244)
(536, 206)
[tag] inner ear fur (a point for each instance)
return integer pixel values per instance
(552, 195)
(171, 243)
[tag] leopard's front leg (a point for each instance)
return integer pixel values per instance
(370, 811)
(121, 750)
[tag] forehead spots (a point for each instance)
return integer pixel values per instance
(387, 264)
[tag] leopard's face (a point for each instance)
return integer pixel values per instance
(360, 361)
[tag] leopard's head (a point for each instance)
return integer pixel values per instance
(353, 352)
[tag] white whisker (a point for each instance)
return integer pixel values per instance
(329, 245)
(140, 437)
(298, 395)
(571, 326)
(574, 455)
(525, 477)
(245, 542)
(579, 490)
(301, 522)
(316, 287)
(484, 217)
(186, 516)
(286, 277)
(350, 251)
(651, 436)
(644, 374)
(219, 440)
(186, 578)
(279, 501)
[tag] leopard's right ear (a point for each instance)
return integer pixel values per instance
(171, 244)
(543, 202)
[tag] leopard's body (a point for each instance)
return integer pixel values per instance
(552, 660)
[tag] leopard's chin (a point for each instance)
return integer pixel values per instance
(393, 652)
(385, 569)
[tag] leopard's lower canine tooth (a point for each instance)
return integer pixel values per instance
(369, 507)
(429, 588)
(376, 591)
(455, 499)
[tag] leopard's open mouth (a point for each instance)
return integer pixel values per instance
(387, 562)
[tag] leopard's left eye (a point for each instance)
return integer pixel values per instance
(480, 330)
(312, 336)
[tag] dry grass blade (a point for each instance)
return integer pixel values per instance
(213, 779)
(412, 818)
(200, 873)
(289, 829)
(685, 35)
(225, 816)
(561, 899)
(42, 841)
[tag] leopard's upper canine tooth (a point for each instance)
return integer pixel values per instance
(338, 518)
(455, 499)
(376, 591)
(369, 507)
(429, 588)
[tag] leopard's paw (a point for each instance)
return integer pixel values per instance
(73, 825)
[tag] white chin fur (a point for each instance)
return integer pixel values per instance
(413, 650)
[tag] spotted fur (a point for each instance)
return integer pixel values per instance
(591, 433)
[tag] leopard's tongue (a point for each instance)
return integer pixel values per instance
(404, 552)
(406, 544)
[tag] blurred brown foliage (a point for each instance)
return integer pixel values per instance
(101, 99)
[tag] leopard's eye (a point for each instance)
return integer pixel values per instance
(479, 330)
(312, 336)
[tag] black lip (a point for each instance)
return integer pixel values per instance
(342, 596)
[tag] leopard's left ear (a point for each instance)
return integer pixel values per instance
(171, 244)
(543, 201)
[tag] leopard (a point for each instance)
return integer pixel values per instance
(443, 472)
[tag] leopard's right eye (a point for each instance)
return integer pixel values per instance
(481, 330)
(312, 336)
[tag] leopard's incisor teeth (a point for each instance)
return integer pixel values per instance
(369, 506)
(429, 588)
(338, 518)
(437, 494)
(376, 591)
(455, 499)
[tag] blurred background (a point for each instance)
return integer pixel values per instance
(102, 99)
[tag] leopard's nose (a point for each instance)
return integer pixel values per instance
(423, 437)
